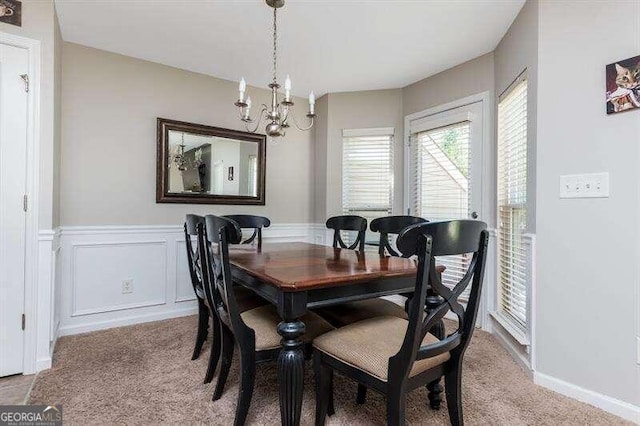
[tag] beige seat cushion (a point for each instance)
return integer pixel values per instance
(265, 319)
(350, 312)
(368, 345)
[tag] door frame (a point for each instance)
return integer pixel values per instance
(32, 187)
(487, 182)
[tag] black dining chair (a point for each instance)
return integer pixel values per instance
(255, 330)
(392, 225)
(410, 356)
(339, 224)
(246, 298)
(195, 272)
(247, 221)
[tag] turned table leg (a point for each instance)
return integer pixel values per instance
(291, 371)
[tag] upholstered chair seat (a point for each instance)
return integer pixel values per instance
(367, 345)
(350, 312)
(264, 322)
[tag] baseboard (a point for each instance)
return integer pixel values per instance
(43, 364)
(622, 409)
(130, 320)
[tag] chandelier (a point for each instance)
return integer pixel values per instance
(277, 115)
(181, 162)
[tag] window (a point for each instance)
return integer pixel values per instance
(512, 204)
(367, 172)
(252, 175)
(440, 170)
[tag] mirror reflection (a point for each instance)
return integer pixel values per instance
(204, 164)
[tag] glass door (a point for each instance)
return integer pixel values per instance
(445, 172)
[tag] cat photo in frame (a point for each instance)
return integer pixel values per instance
(623, 85)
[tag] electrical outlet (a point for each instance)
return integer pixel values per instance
(127, 286)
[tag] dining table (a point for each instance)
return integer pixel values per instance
(296, 277)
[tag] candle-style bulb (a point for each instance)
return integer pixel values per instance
(248, 103)
(243, 85)
(287, 83)
(312, 98)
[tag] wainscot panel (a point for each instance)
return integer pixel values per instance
(120, 275)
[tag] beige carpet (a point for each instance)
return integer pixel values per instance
(143, 375)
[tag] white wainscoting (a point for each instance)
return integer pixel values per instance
(95, 260)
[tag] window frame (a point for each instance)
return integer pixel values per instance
(388, 132)
(522, 334)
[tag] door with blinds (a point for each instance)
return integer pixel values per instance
(445, 173)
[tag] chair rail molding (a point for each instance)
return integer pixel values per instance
(95, 262)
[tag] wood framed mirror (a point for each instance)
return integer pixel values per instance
(198, 164)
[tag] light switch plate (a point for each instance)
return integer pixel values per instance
(590, 185)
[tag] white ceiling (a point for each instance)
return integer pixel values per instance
(325, 45)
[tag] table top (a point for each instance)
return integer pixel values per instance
(304, 266)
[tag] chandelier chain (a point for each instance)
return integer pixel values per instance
(275, 43)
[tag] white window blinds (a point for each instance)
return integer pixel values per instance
(367, 172)
(512, 203)
(440, 184)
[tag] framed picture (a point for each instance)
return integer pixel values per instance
(11, 12)
(623, 85)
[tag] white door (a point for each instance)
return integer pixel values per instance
(13, 161)
(445, 172)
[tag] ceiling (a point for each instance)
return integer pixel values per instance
(325, 45)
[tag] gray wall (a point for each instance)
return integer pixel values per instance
(353, 110)
(470, 78)
(517, 52)
(109, 107)
(587, 265)
(39, 22)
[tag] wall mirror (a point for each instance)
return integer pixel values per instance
(209, 165)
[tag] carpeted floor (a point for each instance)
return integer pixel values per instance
(143, 375)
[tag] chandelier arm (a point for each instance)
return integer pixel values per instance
(303, 129)
(257, 120)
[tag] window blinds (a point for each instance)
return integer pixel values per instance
(367, 172)
(512, 203)
(440, 184)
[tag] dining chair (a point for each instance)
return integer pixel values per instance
(348, 223)
(255, 330)
(247, 221)
(409, 356)
(246, 298)
(195, 272)
(392, 225)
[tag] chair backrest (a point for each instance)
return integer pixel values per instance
(348, 223)
(392, 225)
(193, 256)
(427, 241)
(213, 240)
(247, 221)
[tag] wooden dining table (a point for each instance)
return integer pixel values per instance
(296, 277)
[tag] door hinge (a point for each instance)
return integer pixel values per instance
(25, 78)
(25, 202)
(24, 320)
